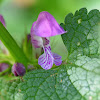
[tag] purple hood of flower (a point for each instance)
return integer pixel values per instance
(46, 26)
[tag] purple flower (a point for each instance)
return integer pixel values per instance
(3, 66)
(45, 27)
(18, 69)
(2, 20)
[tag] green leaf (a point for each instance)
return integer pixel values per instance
(83, 44)
(10, 90)
(83, 33)
(12, 46)
(40, 85)
(49, 85)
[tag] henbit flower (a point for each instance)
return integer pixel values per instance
(45, 27)
(2, 20)
(18, 69)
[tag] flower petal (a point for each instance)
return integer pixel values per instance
(37, 41)
(47, 26)
(46, 59)
(57, 59)
(2, 20)
(46, 41)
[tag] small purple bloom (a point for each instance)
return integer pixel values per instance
(45, 27)
(2, 20)
(3, 66)
(18, 69)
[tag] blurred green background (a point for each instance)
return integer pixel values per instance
(20, 14)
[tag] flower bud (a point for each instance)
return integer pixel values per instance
(3, 66)
(18, 69)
